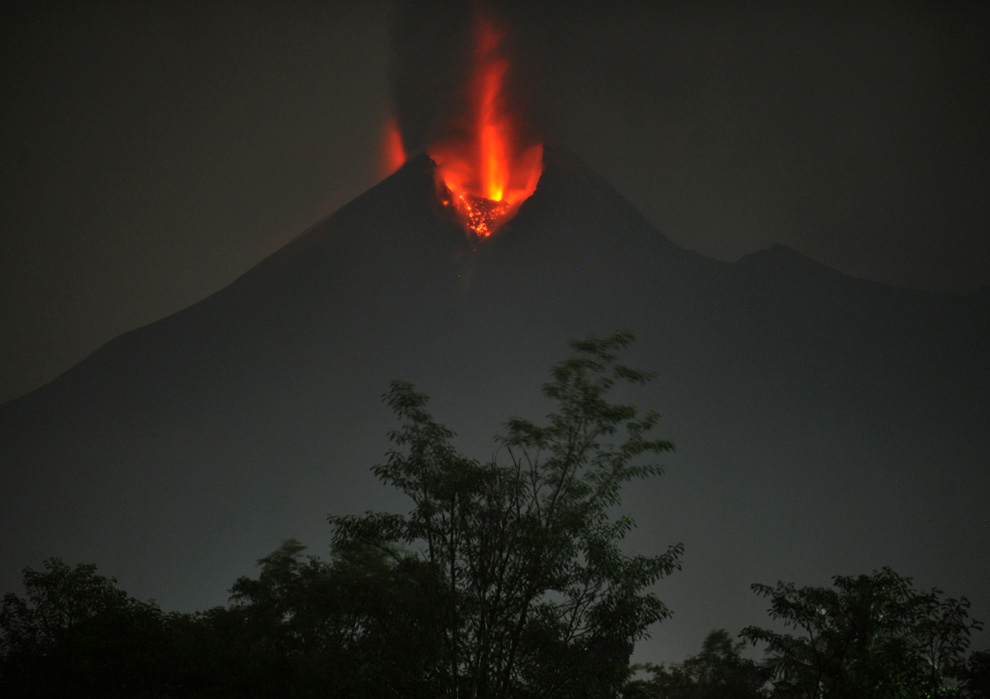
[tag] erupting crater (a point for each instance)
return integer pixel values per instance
(488, 160)
(489, 168)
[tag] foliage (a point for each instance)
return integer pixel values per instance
(355, 627)
(302, 628)
(718, 672)
(505, 579)
(76, 634)
(523, 551)
(867, 636)
(975, 675)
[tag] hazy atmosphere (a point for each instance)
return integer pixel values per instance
(216, 256)
(153, 152)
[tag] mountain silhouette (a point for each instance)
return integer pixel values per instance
(824, 424)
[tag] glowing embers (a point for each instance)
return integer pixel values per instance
(489, 161)
(479, 215)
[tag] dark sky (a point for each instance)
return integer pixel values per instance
(152, 152)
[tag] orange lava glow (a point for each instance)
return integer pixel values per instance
(393, 154)
(488, 169)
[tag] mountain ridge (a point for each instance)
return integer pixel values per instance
(185, 450)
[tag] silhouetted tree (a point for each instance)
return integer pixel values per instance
(867, 636)
(523, 551)
(505, 580)
(208, 654)
(353, 627)
(718, 672)
(975, 676)
(77, 634)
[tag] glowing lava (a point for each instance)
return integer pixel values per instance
(488, 168)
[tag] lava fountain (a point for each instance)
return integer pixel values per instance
(488, 167)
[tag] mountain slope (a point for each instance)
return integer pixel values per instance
(824, 424)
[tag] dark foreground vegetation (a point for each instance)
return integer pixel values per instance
(505, 579)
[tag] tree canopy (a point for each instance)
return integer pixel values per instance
(506, 579)
(719, 671)
(524, 550)
(76, 634)
(867, 636)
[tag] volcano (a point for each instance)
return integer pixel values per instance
(824, 424)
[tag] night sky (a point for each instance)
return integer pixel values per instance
(153, 152)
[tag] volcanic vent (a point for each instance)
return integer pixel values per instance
(488, 160)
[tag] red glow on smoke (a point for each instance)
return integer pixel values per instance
(487, 169)
(393, 152)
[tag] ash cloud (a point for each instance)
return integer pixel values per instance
(431, 66)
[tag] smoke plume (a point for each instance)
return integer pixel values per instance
(433, 49)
